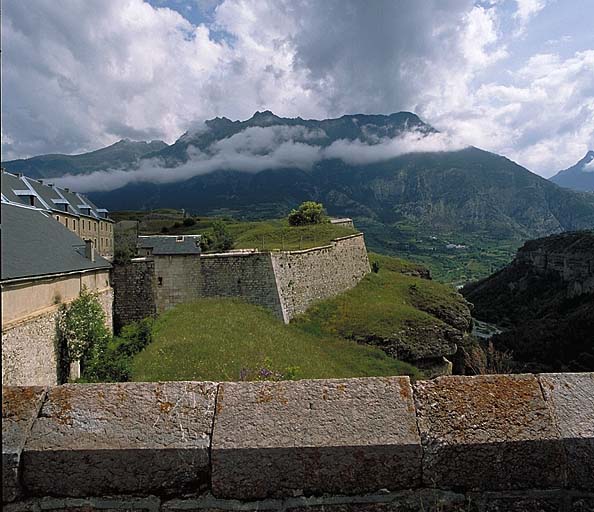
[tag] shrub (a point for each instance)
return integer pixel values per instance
(114, 364)
(81, 331)
(219, 240)
(189, 221)
(375, 266)
(309, 212)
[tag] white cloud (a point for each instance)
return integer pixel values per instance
(260, 148)
(84, 74)
(526, 9)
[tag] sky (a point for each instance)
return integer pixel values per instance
(515, 77)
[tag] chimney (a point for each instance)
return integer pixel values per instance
(89, 250)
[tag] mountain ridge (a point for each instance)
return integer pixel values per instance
(119, 154)
(413, 204)
(579, 176)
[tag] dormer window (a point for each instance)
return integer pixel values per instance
(31, 200)
(179, 239)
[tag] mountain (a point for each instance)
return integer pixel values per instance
(121, 154)
(579, 176)
(544, 301)
(462, 212)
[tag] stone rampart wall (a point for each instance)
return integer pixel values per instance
(304, 277)
(134, 292)
(485, 443)
(178, 279)
(28, 346)
(247, 275)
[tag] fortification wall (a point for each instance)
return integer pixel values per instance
(28, 345)
(134, 292)
(247, 275)
(472, 444)
(304, 277)
(178, 280)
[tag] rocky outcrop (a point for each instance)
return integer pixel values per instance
(545, 301)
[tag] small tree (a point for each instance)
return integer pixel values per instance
(220, 239)
(309, 212)
(189, 221)
(82, 332)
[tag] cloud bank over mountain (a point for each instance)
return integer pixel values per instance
(515, 77)
(257, 149)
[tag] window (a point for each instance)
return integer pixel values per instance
(66, 221)
(160, 281)
(58, 218)
(74, 225)
(32, 200)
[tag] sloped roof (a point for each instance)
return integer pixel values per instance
(10, 183)
(49, 197)
(170, 244)
(34, 244)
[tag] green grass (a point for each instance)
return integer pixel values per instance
(274, 234)
(386, 306)
(223, 339)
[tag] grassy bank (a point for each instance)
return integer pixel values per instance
(225, 339)
(274, 234)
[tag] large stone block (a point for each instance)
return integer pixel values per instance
(488, 432)
(132, 438)
(20, 407)
(571, 399)
(274, 439)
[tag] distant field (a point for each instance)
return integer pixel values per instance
(225, 339)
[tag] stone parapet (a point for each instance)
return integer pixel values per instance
(497, 442)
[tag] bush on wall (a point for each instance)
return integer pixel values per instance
(309, 212)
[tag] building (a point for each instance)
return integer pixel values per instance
(44, 265)
(71, 209)
(176, 267)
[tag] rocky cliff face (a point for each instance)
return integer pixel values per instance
(545, 301)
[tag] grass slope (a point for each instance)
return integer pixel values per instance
(225, 339)
(413, 318)
(274, 234)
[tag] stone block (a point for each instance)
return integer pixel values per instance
(129, 438)
(20, 407)
(275, 439)
(490, 432)
(570, 397)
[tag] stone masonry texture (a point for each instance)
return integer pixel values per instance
(28, 348)
(328, 436)
(304, 277)
(249, 276)
(490, 432)
(128, 438)
(178, 280)
(571, 399)
(498, 443)
(134, 292)
(20, 407)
